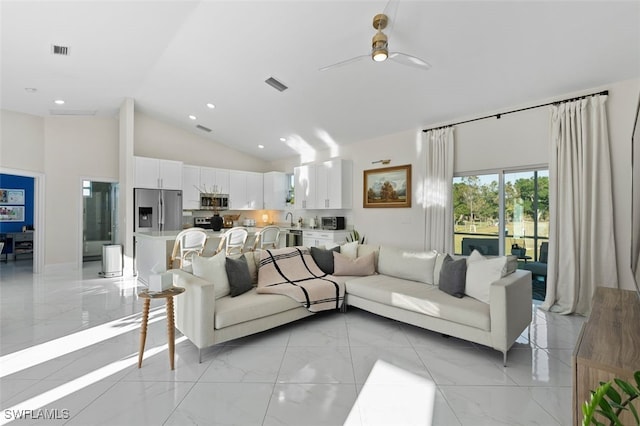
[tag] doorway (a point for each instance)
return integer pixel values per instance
(99, 217)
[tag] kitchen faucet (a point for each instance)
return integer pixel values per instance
(287, 215)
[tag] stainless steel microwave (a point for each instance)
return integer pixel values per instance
(214, 201)
(333, 222)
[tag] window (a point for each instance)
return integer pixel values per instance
(502, 212)
(86, 188)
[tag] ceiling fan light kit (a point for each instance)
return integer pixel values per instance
(379, 43)
(380, 49)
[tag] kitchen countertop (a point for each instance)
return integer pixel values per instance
(171, 235)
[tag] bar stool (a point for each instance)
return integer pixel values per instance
(267, 238)
(233, 241)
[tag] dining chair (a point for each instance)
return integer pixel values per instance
(233, 241)
(189, 242)
(267, 237)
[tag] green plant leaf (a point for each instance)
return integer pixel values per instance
(626, 387)
(636, 375)
(613, 395)
(635, 413)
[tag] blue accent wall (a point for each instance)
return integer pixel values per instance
(18, 182)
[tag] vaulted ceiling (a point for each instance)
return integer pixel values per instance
(174, 57)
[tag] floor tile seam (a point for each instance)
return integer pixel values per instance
(179, 403)
(530, 390)
(90, 402)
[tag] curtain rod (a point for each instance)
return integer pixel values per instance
(604, 92)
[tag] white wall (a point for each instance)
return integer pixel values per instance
(156, 139)
(21, 141)
(75, 148)
(514, 140)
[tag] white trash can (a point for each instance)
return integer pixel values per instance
(111, 260)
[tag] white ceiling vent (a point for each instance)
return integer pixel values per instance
(57, 49)
(83, 112)
(276, 84)
(206, 129)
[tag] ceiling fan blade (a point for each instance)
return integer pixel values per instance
(412, 61)
(345, 62)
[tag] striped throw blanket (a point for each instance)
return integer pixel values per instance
(291, 271)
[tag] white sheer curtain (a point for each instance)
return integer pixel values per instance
(438, 189)
(582, 254)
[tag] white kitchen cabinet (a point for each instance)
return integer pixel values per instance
(245, 190)
(305, 186)
(274, 190)
(155, 173)
(323, 238)
(334, 184)
(190, 187)
(214, 180)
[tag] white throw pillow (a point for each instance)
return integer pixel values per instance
(359, 267)
(481, 274)
(213, 270)
(437, 267)
(350, 250)
(475, 256)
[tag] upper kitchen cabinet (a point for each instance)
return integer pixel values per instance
(334, 184)
(275, 190)
(190, 187)
(245, 190)
(305, 186)
(155, 173)
(214, 180)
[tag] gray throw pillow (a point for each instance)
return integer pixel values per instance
(238, 275)
(324, 258)
(453, 276)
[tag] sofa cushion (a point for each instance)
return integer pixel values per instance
(418, 297)
(364, 249)
(452, 276)
(481, 273)
(238, 275)
(324, 258)
(250, 306)
(407, 264)
(356, 267)
(213, 270)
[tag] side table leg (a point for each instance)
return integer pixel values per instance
(170, 330)
(143, 329)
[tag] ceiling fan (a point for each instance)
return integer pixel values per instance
(380, 49)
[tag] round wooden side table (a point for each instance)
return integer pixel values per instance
(147, 296)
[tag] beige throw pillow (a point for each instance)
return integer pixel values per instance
(362, 266)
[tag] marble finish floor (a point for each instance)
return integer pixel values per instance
(69, 347)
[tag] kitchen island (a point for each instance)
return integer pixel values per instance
(153, 249)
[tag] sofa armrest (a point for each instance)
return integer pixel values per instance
(510, 308)
(195, 308)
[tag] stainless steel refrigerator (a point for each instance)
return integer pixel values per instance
(157, 210)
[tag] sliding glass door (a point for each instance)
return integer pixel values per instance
(503, 212)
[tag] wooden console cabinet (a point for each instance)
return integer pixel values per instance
(608, 345)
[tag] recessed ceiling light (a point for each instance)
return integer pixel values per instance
(31, 89)
(192, 117)
(211, 106)
(261, 146)
(58, 102)
(283, 140)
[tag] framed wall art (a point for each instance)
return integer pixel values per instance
(387, 187)
(11, 196)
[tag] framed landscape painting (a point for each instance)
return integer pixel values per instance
(387, 187)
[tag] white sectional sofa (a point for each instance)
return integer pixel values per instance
(404, 288)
